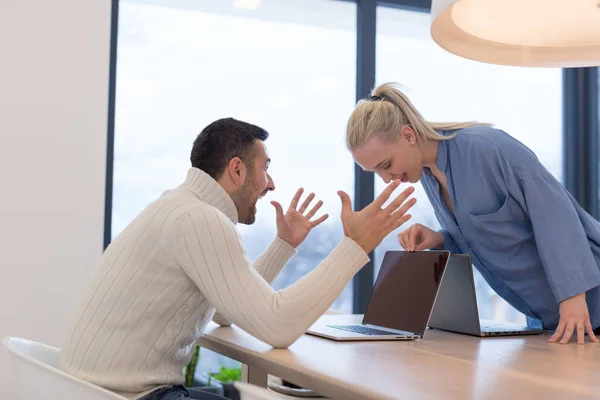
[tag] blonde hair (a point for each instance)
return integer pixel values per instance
(386, 112)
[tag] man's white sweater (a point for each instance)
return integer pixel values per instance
(162, 278)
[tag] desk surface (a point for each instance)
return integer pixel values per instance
(442, 365)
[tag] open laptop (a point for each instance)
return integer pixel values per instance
(456, 307)
(400, 305)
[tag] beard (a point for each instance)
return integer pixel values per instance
(245, 202)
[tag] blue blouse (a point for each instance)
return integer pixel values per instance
(528, 237)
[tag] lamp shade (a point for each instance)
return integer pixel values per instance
(534, 33)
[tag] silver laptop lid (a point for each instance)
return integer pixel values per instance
(405, 290)
(456, 306)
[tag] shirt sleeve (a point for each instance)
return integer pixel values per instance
(449, 243)
(560, 238)
(210, 251)
(269, 264)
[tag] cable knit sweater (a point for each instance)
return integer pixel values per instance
(161, 280)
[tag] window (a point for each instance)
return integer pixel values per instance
(525, 102)
(287, 66)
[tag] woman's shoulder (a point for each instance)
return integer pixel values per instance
(484, 143)
(481, 145)
(483, 135)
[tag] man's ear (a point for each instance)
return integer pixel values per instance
(408, 134)
(237, 171)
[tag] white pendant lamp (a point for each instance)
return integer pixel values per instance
(534, 33)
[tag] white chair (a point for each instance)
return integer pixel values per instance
(29, 371)
(253, 392)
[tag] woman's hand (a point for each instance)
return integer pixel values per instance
(574, 315)
(419, 237)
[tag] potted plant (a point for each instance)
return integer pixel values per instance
(225, 378)
(190, 370)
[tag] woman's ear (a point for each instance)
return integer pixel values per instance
(408, 135)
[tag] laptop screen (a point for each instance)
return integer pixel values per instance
(405, 290)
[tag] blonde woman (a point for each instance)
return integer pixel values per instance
(529, 238)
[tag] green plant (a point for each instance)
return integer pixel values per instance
(227, 375)
(190, 369)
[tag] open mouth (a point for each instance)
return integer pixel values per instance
(404, 178)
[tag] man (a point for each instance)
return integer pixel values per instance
(162, 278)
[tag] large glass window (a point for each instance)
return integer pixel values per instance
(525, 102)
(288, 66)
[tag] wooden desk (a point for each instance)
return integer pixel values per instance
(441, 366)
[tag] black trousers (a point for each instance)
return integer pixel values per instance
(181, 393)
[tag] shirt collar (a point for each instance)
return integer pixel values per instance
(442, 157)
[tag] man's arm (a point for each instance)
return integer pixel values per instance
(209, 249)
(269, 264)
(292, 228)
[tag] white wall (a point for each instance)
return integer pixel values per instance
(54, 65)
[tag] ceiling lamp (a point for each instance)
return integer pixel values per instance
(533, 33)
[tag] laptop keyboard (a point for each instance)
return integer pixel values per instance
(362, 329)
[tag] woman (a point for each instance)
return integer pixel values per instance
(529, 238)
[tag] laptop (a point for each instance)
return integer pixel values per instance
(456, 308)
(400, 305)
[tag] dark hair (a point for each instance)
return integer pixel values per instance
(223, 140)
